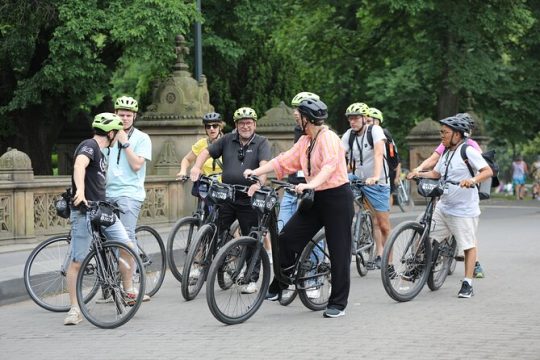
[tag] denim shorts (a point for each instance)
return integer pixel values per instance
(378, 196)
(81, 234)
(131, 209)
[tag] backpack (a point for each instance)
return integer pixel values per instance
(489, 157)
(392, 157)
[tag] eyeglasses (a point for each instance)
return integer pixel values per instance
(443, 132)
(213, 126)
(245, 123)
(241, 154)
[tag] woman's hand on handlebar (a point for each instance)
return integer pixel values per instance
(194, 174)
(300, 188)
(248, 173)
(372, 181)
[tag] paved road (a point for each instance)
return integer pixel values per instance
(501, 321)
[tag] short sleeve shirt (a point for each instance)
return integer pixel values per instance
(121, 179)
(210, 166)
(458, 201)
(95, 175)
(364, 155)
(228, 147)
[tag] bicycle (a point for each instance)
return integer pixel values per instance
(403, 195)
(181, 234)
(208, 239)
(46, 268)
(410, 259)
(243, 260)
(363, 242)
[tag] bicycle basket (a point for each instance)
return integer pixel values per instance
(264, 200)
(220, 193)
(430, 188)
(102, 215)
(61, 204)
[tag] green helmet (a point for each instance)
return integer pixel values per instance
(376, 114)
(244, 113)
(357, 109)
(304, 95)
(107, 122)
(126, 103)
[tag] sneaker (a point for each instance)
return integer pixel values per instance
(333, 313)
(391, 272)
(272, 296)
(466, 290)
(104, 300)
(249, 288)
(73, 317)
(194, 276)
(313, 294)
(378, 262)
(478, 271)
(146, 298)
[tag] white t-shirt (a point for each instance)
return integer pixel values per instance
(365, 159)
(458, 201)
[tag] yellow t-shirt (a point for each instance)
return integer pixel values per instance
(211, 166)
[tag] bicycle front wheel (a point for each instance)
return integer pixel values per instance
(249, 278)
(313, 279)
(178, 244)
(119, 273)
(45, 274)
(152, 253)
(406, 261)
(365, 249)
(197, 262)
(443, 255)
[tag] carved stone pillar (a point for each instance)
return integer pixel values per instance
(277, 125)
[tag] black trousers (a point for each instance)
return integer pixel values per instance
(333, 209)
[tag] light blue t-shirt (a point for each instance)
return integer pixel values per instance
(121, 179)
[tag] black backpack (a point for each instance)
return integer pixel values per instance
(392, 157)
(489, 157)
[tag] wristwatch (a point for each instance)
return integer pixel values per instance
(125, 145)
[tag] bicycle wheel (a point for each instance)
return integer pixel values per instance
(453, 262)
(233, 233)
(313, 278)
(443, 255)
(236, 304)
(45, 274)
(365, 250)
(406, 261)
(197, 262)
(119, 272)
(152, 253)
(178, 244)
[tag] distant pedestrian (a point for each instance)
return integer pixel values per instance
(519, 175)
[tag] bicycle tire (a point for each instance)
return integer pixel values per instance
(152, 253)
(401, 197)
(197, 260)
(411, 259)
(233, 233)
(230, 306)
(178, 243)
(109, 278)
(453, 263)
(366, 244)
(287, 296)
(45, 274)
(443, 255)
(314, 274)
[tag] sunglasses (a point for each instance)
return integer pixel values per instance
(213, 126)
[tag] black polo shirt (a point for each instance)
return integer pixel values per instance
(237, 158)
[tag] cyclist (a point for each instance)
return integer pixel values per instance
(213, 126)
(241, 150)
(88, 183)
(320, 156)
(126, 170)
(366, 162)
(457, 211)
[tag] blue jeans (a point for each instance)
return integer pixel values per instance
(81, 234)
(131, 209)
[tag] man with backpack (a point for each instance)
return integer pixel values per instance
(366, 162)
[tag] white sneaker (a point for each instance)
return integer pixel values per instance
(73, 317)
(313, 294)
(249, 288)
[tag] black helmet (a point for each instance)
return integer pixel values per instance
(467, 117)
(211, 117)
(315, 110)
(457, 123)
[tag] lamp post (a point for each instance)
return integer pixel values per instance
(198, 44)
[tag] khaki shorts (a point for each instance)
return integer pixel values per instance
(464, 229)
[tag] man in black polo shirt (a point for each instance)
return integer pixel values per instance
(239, 151)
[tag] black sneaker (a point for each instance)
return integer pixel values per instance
(378, 262)
(466, 290)
(272, 296)
(391, 272)
(333, 313)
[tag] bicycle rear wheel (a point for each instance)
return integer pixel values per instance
(406, 261)
(237, 303)
(119, 272)
(45, 274)
(152, 253)
(197, 262)
(178, 244)
(313, 279)
(443, 255)
(365, 251)
(453, 262)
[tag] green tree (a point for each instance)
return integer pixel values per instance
(58, 57)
